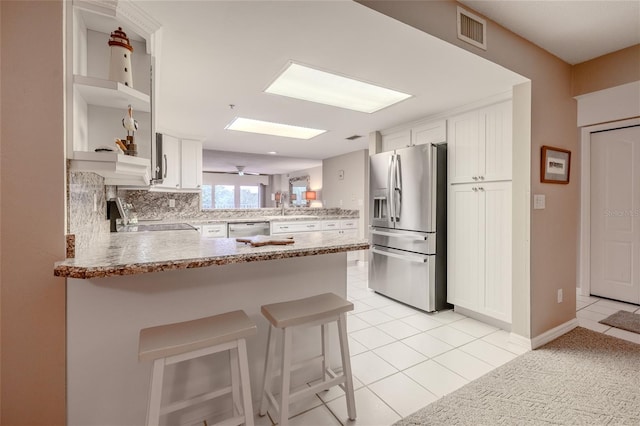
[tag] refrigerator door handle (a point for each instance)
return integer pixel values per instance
(397, 189)
(408, 258)
(390, 186)
(404, 236)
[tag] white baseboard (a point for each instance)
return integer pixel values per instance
(523, 342)
(483, 318)
(554, 333)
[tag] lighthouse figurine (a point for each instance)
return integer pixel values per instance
(120, 62)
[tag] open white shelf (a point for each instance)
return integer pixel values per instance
(112, 94)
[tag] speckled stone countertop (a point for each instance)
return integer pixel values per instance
(286, 218)
(141, 252)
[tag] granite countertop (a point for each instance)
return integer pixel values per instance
(279, 218)
(131, 253)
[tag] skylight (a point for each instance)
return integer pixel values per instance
(274, 129)
(301, 82)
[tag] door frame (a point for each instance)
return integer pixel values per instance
(584, 263)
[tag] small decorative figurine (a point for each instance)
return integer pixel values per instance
(131, 126)
(120, 62)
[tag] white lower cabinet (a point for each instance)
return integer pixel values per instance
(341, 226)
(216, 230)
(479, 248)
(292, 227)
(330, 225)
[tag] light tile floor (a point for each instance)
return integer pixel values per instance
(591, 309)
(403, 359)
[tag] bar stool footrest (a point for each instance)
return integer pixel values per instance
(318, 387)
(179, 405)
(234, 421)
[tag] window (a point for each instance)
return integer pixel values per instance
(230, 197)
(205, 196)
(249, 197)
(224, 197)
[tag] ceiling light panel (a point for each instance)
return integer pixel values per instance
(273, 129)
(300, 82)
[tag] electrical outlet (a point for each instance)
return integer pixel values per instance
(172, 202)
(559, 295)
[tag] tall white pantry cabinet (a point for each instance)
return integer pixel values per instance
(479, 211)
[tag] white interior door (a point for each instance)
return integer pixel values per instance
(615, 214)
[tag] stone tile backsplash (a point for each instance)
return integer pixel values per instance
(155, 205)
(87, 201)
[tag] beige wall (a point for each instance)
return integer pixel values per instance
(607, 71)
(349, 192)
(553, 249)
(32, 182)
(1, 126)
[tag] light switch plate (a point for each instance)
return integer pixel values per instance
(539, 201)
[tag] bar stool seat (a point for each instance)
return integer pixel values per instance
(322, 310)
(172, 343)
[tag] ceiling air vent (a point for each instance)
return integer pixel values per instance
(354, 137)
(472, 28)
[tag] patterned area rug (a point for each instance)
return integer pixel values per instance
(624, 320)
(583, 377)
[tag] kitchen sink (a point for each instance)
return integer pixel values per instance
(157, 227)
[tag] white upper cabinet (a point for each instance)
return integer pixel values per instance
(480, 145)
(181, 164)
(395, 140)
(415, 134)
(191, 164)
(170, 162)
(431, 132)
(464, 147)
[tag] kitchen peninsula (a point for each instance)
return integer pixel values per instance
(130, 281)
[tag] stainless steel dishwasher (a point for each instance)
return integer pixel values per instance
(247, 229)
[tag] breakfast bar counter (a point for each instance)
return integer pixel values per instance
(131, 253)
(132, 281)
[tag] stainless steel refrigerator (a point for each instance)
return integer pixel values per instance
(408, 224)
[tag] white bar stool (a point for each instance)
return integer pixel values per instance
(316, 310)
(172, 343)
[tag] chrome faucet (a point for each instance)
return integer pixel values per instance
(283, 198)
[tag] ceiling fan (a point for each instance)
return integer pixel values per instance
(239, 171)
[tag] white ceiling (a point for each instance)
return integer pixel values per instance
(220, 53)
(573, 30)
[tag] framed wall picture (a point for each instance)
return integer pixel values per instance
(555, 164)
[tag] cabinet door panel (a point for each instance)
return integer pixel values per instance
(400, 139)
(464, 147)
(496, 298)
(171, 159)
(496, 164)
(464, 259)
(191, 164)
(434, 132)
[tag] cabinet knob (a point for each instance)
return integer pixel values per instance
(474, 189)
(474, 177)
(481, 189)
(481, 177)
